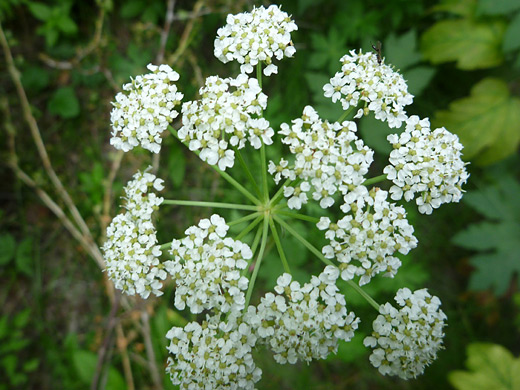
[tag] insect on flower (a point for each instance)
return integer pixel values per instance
(377, 49)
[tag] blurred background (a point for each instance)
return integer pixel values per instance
(62, 326)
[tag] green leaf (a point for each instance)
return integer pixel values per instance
(22, 318)
(487, 122)
(374, 133)
(490, 366)
(7, 248)
(24, 256)
(35, 78)
(497, 202)
(85, 363)
(486, 235)
(457, 7)
(401, 51)
(31, 365)
(40, 11)
(66, 24)
(323, 105)
(497, 7)
(64, 103)
(177, 165)
(418, 78)
(511, 40)
(474, 45)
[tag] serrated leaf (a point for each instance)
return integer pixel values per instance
(497, 7)
(487, 122)
(473, 45)
(511, 37)
(498, 202)
(494, 270)
(457, 7)
(64, 103)
(490, 366)
(418, 78)
(400, 51)
(7, 248)
(487, 235)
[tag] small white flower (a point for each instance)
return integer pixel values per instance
(406, 340)
(364, 81)
(257, 36)
(144, 109)
(426, 165)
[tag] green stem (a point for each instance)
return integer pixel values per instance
(279, 194)
(259, 74)
(244, 219)
(264, 172)
(256, 240)
(347, 113)
(210, 204)
(361, 292)
(298, 216)
(249, 227)
(258, 261)
(326, 261)
(374, 180)
(279, 246)
(166, 246)
(248, 172)
(226, 176)
(306, 243)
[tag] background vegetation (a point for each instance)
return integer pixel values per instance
(62, 326)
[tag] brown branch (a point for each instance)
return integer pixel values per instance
(36, 135)
(165, 31)
(150, 354)
(107, 197)
(186, 34)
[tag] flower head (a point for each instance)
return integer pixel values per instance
(226, 115)
(406, 340)
(365, 240)
(206, 267)
(426, 163)
(303, 322)
(131, 251)
(328, 156)
(144, 109)
(213, 355)
(363, 80)
(255, 37)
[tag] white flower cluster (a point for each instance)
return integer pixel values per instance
(406, 340)
(213, 355)
(328, 156)
(372, 230)
(362, 80)
(206, 267)
(255, 37)
(131, 251)
(224, 117)
(303, 322)
(144, 109)
(427, 163)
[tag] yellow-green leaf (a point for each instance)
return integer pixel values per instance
(490, 366)
(457, 7)
(487, 122)
(473, 45)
